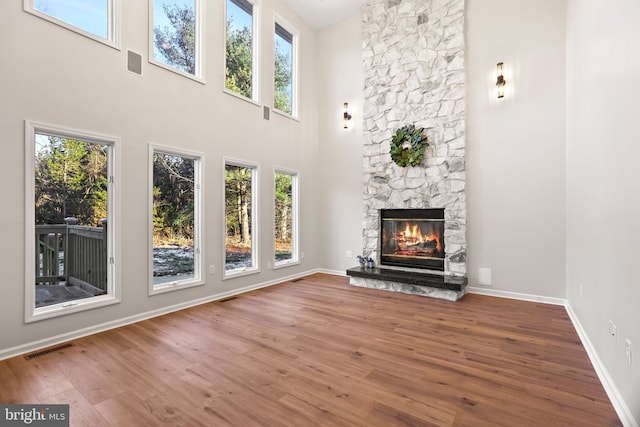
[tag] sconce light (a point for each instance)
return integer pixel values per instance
(346, 115)
(501, 81)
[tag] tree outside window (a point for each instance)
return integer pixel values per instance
(283, 70)
(176, 208)
(240, 245)
(285, 217)
(239, 75)
(175, 34)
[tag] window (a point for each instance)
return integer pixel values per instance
(241, 56)
(175, 219)
(285, 217)
(240, 205)
(71, 225)
(91, 18)
(176, 36)
(284, 71)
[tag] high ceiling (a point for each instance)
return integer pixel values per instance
(323, 13)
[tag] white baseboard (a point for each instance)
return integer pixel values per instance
(79, 333)
(610, 388)
(332, 272)
(517, 296)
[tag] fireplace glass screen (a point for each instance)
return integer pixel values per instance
(412, 238)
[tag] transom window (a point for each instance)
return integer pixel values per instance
(92, 18)
(241, 56)
(175, 39)
(175, 223)
(240, 214)
(284, 71)
(71, 225)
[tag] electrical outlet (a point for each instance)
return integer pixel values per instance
(212, 269)
(269, 265)
(348, 254)
(301, 255)
(612, 328)
(628, 350)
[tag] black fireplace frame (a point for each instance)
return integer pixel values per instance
(435, 214)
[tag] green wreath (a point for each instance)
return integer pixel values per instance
(407, 146)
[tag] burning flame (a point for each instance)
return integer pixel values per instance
(413, 236)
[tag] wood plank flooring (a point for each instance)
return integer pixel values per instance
(318, 352)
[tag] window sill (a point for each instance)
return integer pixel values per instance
(113, 42)
(70, 307)
(284, 264)
(232, 274)
(174, 286)
(241, 97)
(178, 72)
(285, 114)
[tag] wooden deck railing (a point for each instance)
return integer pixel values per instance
(85, 255)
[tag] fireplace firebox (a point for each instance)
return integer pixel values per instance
(412, 238)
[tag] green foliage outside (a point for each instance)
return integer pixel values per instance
(239, 60)
(173, 216)
(70, 181)
(282, 77)
(173, 200)
(177, 44)
(238, 205)
(283, 215)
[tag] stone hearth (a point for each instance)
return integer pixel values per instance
(447, 287)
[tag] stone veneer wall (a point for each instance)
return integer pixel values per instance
(413, 55)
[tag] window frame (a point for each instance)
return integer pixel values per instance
(113, 23)
(32, 313)
(198, 223)
(295, 42)
(295, 222)
(199, 74)
(255, 246)
(255, 54)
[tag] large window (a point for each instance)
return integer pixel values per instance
(91, 18)
(71, 225)
(284, 71)
(176, 36)
(175, 219)
(241, 28)
(285, 217)
(240, 205)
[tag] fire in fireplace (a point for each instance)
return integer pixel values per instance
(412, 238)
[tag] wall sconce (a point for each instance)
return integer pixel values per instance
(501, 81)
(346, 115)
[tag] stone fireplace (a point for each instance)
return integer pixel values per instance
(413, 61)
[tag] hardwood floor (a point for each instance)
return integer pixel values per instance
(319, 352)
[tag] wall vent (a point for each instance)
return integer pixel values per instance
(134, 62)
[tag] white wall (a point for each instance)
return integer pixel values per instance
(603, 182)
(340, 57)
(516, 145)
(52, 75)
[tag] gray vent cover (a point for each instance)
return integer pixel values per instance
(134, 62)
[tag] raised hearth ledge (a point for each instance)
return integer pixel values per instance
(445, 287)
